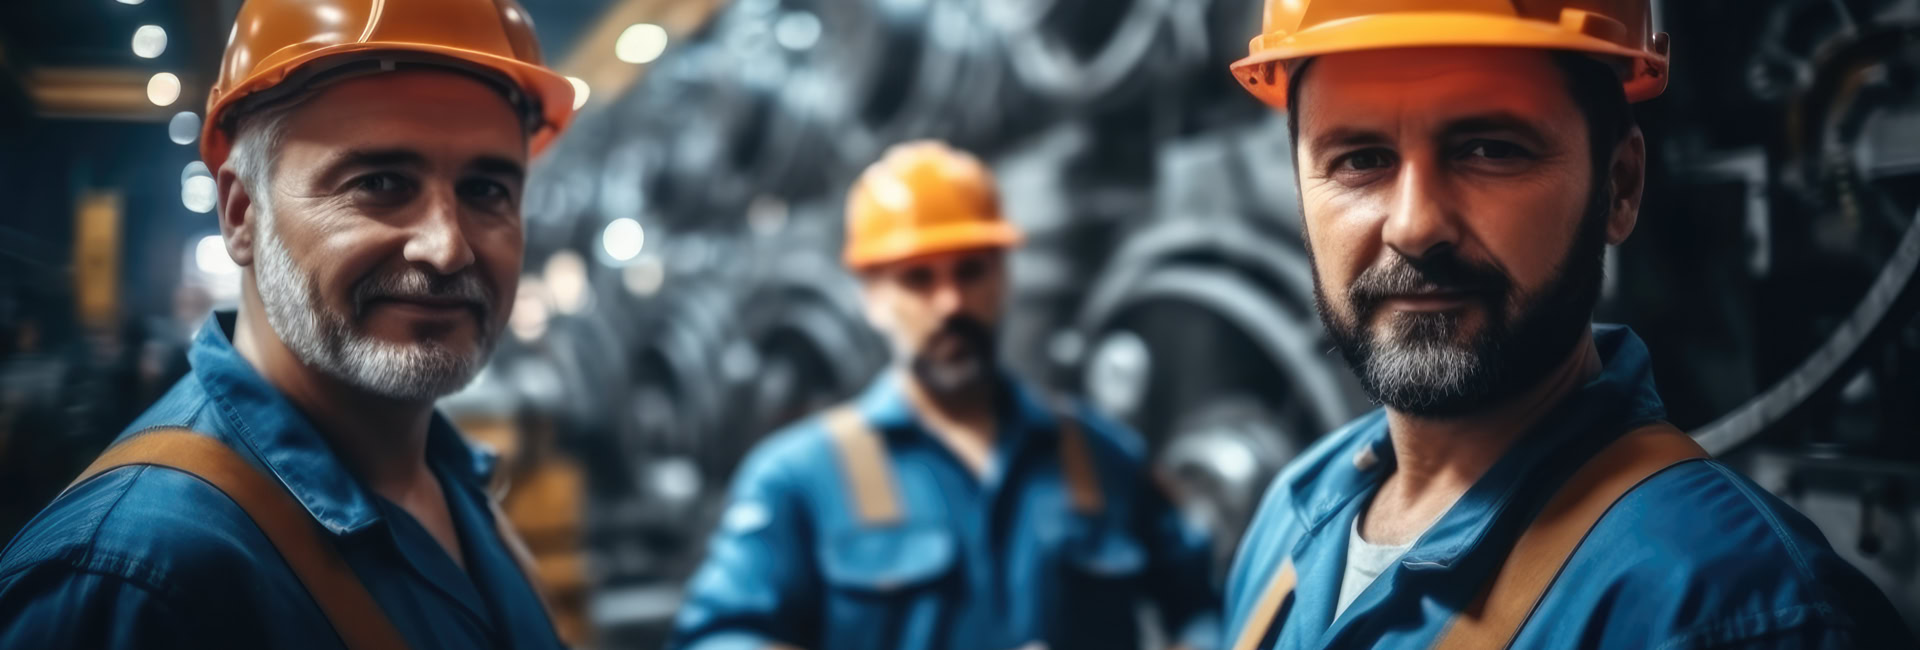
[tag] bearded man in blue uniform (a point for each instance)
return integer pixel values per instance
(1463, 165)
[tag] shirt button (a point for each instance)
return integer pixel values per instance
(1365, 460)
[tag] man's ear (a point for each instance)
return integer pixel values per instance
(237, 216)
(1629, 179)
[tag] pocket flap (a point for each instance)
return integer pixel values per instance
(888, 559)
(1111, 555)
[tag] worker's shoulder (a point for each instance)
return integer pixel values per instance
(140, 523)
(186, 405)
(1703, 512)
(796, 450)
(159, 528)
(1111, 439)
(1706, 550)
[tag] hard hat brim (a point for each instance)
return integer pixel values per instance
(553, 92)
(1434, 29)
(949, 238)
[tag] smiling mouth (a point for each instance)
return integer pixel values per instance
(1435, 301)
(425, 306)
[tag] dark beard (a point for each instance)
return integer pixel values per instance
(1427, 371)
(974, 369)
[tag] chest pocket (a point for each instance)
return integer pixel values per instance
(887, 561)
(885, 585)
(1113, 555)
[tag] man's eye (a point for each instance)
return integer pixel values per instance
(918, 279)
(970, 270)
(485, 190)
(1364, 160)
(381, 183)
(1493, 150)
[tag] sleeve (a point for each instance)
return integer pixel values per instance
(758, 586)
(60, 607)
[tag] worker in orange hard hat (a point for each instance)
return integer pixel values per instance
(1462, 167)
(950, 505)
(298, 489)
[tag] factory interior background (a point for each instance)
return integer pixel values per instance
(683, 295)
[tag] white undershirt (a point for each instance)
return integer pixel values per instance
(1365, 562)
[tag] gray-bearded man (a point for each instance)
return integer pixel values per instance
(297, 488)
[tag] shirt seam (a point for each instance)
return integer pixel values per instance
(1689, 637)
(93, 536)
(87, 561)
(1773, 524)
(1818, 607)
(135, 572)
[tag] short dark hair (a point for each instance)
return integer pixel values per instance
(1594, 84)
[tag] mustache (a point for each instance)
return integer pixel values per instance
(1439, 272)
(967, 330)
(412, 283)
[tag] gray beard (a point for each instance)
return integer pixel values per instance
(951, 377)
(1422, 368)
(326, 341)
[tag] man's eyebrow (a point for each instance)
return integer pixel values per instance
(338, 166)
(377, 158)
(1494, 122)
(498, 166)
(1346, 136)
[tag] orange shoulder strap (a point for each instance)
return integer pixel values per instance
(863, 456)
(1077, 467)
(1267, 608)
(1510, 595)
(352, 611)
(1504, 604)
(870, 481)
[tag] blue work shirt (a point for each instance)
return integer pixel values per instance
(977, 563)
(1696, 556)
(147, 557)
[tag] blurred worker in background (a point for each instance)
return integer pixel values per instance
(1463, 166)
(297, 489)
(950, 506)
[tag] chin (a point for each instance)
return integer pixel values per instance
(417, 371)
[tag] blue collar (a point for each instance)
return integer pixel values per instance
(287, 444)
(884, 403)
(1619, 399)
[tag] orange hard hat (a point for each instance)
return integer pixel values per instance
(280, 46)
(1621, 30)
(921, 198)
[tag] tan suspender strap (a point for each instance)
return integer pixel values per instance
(863, 455)
(1509, 597)
(1076, 466)
(1267, 608)
(301, 541)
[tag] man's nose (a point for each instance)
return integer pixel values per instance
(438, 240)
(1422, 216)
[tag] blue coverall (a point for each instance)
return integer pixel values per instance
(146, 557)
(987, 563)
(1697, 556)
